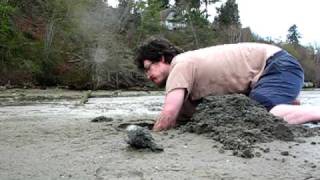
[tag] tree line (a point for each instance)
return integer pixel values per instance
(76, 43)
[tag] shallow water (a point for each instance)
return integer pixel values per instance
(116, 107)
(310, 97)
(136, 107)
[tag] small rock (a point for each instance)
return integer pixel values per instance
(266, 150)
(313, 143)
(139, 138)
(215, 146)
(101, 119)
(300, 141)
(247, 153)
(308, 177)
(221, 151)
(257, 154)
(235, 153)
(284, 153)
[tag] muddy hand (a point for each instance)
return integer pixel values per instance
(163, 124)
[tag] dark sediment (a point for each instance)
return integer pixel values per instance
(238, 123)
(101, 119)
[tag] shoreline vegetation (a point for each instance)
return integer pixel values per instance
(90, 45)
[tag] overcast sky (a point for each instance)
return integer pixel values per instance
(272, 18)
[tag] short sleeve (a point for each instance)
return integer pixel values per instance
(181, 76)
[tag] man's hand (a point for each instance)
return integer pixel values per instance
(164, 124)
(170, 111)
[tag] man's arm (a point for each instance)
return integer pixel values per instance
(295, 114)
(169, 114)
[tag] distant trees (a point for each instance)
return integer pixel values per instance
(17, 49)
(293, 35)
(149, 15)
(227, 22)
(194, 3)
(74, 43)
(228, 14)
(42, 37)
(189, 26)
(307, 55)
(5, 29)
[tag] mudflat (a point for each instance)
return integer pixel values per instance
(49, 144)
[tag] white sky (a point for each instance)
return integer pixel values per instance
(272, 18)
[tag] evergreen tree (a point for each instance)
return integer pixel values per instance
(227, 23)
(147, 18)
(189, 4)
(228, 14)
(293, 35)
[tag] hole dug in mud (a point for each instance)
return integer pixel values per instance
(146, 123)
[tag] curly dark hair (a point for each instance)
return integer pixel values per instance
(153, 49)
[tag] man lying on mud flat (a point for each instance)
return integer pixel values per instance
(265, 73)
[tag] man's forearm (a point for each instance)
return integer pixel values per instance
(170, 111)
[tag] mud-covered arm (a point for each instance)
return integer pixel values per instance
(171, 109)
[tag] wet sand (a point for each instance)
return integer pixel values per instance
(70, 146)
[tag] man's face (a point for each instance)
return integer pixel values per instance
(157, 72)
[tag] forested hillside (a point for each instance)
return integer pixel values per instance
(86, 44)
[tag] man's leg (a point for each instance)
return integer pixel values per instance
(280, 82)
(294, 114)
(278, 88)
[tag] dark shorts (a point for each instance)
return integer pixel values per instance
(280, 82)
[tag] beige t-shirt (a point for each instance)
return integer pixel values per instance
(218, 70)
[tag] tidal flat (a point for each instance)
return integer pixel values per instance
(48, 134)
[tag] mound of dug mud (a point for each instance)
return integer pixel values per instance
(238, 123)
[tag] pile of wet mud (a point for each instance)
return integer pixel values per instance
(239, 123)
